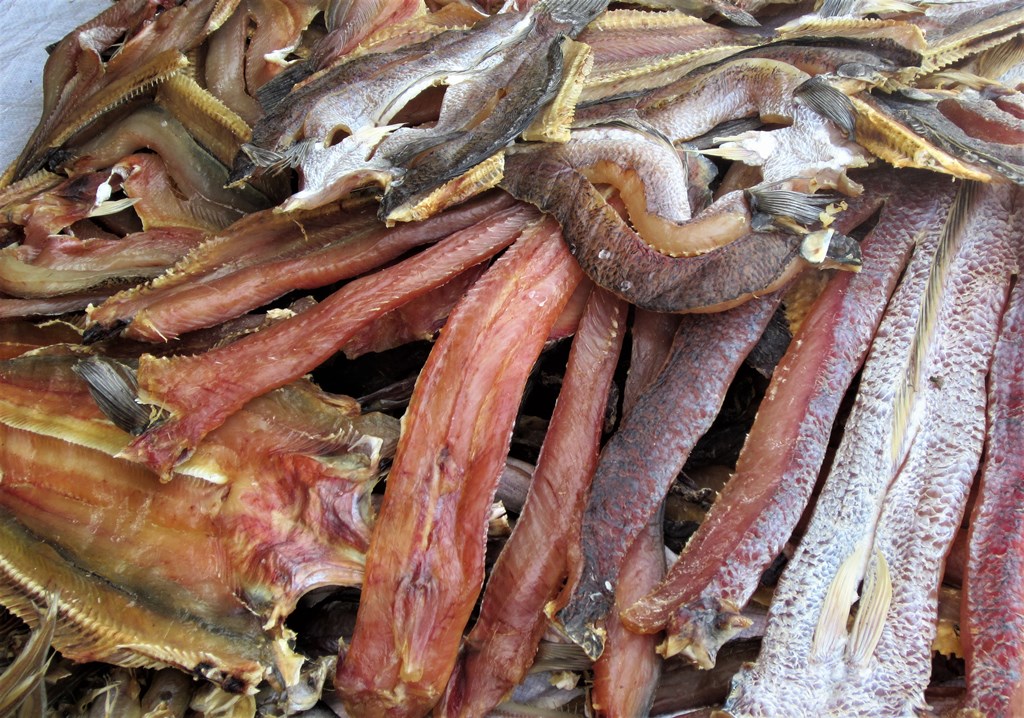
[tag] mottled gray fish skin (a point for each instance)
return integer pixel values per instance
(924, 507)
(640, 461)
(616, 258)
(789, 679)
(533, 82)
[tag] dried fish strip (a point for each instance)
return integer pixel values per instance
(67, 264)
(640, 461)
(991, 609)
(755, 514)
(930, 120)
(264, 256)
(784, 110)
(425, 563)
(330, 132)
(498, 652)
(627, 673)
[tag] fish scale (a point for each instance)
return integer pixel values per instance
(788, 680)
(923, 508)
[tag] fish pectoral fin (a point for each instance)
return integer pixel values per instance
(829, 102)
(803, 208)
(842, 592)
(876, 597)
(115, 390)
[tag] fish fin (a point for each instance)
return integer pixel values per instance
(799, 206)
(112, 206)
(836, 8)
(835, 611)
(892, 7)
(553, 656)
(23, 680)
(274, 160)
(875, 599)
(924, 330)
(829, 102)
(273, 92)
(115, 390)
(734, 13)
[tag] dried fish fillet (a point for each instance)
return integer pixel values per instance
(414, 604)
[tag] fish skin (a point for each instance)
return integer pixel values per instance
(858, 513)
(757, 511)
(640, 461)
(652, 182)
(622, 35)
(737, 88)
(991, 611)
(534, 82)
(515, 58)
(225, 62)
(68, 265)
(616, 258)
(786, 680)
(197, 174)
(924, 506)
(966, 141)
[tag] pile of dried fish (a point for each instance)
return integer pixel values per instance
(236, 215)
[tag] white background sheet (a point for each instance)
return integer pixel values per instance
(26, 28)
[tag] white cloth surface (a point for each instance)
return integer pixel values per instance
(28, 26)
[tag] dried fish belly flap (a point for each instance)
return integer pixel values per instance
(425, 563)
(222, 565)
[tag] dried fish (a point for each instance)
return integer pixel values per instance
(719, 569)
(498, 651)
(686, 166)
(415, 605)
